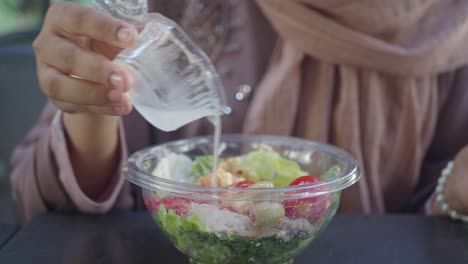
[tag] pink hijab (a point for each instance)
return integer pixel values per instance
(362, 75)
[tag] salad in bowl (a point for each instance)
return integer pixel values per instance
(263, 200)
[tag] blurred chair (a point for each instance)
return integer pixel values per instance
(20, 104)
(24, 37)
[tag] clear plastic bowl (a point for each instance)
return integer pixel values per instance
(208, 232)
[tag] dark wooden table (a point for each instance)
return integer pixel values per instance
(6, 233)
(133, 238)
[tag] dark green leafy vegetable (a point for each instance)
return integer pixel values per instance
(190, 236)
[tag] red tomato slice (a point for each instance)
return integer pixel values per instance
(181, 206)
(243, 184)
(310, 208)
(151, 202)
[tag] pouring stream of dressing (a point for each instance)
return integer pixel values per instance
(216, 121)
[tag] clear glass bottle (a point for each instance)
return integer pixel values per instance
(175, 81)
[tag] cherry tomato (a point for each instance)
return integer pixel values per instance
(311, 208)
(304, 180)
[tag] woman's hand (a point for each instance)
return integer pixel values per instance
(74, 52)
(456, 190)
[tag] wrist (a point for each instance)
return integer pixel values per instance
(90, 128)
(90, 120)
(93, 146)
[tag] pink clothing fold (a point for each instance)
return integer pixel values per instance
(371, 88)
(43, 177)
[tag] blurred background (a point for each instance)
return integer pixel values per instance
(20, 98)
(18, 16)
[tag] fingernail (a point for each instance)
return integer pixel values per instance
(114, 96)
(120, 110)
(117, 82)
(124, 35)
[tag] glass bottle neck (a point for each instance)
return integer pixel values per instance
(127, 10)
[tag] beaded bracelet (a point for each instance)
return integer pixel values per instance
(440, 198)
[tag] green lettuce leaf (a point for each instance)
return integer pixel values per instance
(202, 166)
(271, 166)
(332, 172)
